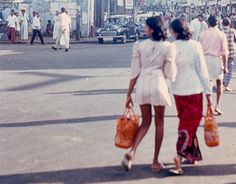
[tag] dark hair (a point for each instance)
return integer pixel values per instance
(201, 16)
(226, 22)
(180, 27)
(63, 9)
(12, 11)
(157, 25)
(212, 21)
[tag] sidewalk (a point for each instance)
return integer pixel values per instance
(52, 41)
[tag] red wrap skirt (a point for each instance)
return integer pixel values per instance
(190, 110)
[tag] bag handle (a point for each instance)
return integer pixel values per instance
(129, 111)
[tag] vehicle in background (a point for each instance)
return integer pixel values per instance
(118, 27)
(141, 22)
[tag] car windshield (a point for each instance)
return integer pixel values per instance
(143, 19)
(117, 20)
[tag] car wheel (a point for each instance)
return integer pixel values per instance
(114, 40)
(124, 39)
(100, 40)
(136, 38)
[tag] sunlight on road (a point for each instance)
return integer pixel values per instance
(9, 52)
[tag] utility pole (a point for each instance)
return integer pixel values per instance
(78, 17)
(134, 8)
(124, 4)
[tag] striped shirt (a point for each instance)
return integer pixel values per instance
(231, 36)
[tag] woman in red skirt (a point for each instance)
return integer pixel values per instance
(191, 82)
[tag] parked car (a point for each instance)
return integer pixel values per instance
(118, 27)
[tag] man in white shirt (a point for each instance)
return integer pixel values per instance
(11, 27)
(197, 26)
(36, 27)
(64, 26)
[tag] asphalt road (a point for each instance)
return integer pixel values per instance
(58, 115)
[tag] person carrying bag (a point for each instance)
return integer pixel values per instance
(127, 126)
(211, 134)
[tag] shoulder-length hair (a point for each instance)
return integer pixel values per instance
(180, 27)
(157, 25)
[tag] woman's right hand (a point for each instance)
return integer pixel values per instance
(209, 101)
(129, 102)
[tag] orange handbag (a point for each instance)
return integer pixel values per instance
(211, 133)
(127, 126)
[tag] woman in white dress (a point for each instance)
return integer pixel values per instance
(55, 29)
(24, 30)
(153, 61)
(17, 25)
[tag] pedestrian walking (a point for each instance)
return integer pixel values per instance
(24, 30)
(11, 27)
(63, 40)
(56, 25)
(36, 26)
(197, 26)
(64, 29)
(17, 25)
(231, 37)
(191, 82)
(153, 60)
(215, 47)
(49, 29)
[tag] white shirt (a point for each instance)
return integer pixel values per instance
(17, 23)
(192, 74)
(24, 19)
(12, 20)
(197, 27)
(36, 24)
(64, 21)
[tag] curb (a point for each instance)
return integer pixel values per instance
(53, 42)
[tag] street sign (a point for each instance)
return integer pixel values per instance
(129, 4)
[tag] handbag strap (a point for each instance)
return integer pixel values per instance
(129, 111)
(209, 111)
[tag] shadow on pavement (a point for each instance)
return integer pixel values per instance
(93, 92)
(227, 124)
(112, 174)
(54, 79)
(65, 121)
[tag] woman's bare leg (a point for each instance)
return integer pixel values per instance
(219, 93)
(159, 125)
(146, 111)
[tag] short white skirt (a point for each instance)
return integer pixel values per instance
(215, 67)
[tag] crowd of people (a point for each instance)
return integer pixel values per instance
(200, 55)
(19, 27)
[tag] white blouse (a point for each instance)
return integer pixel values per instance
(192, 74)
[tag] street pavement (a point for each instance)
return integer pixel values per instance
(58, 116)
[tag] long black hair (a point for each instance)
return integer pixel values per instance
(180, 27)
(157, 25)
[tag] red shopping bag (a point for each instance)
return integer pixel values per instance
(127, 126)
(211, 133)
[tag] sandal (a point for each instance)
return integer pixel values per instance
(176, 171)
(127, 162)
(157, 168)
(218, 111)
